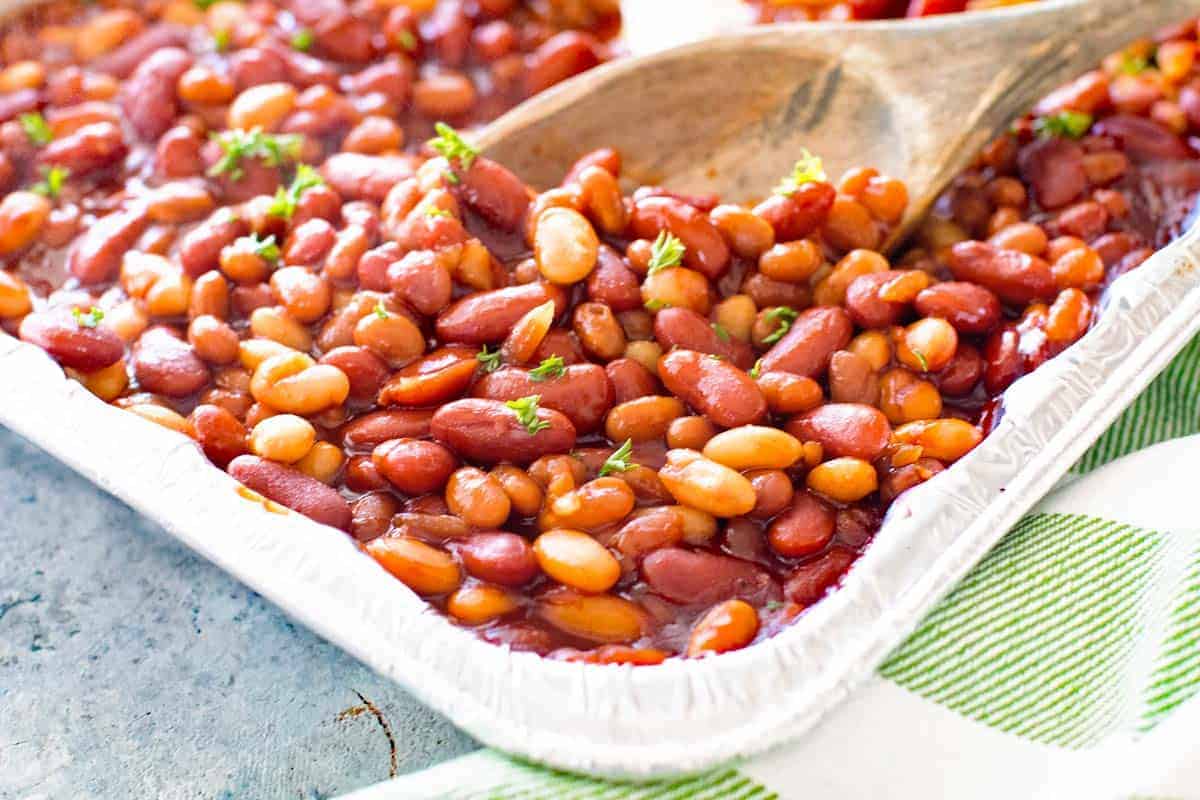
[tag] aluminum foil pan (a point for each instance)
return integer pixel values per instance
(684, 715)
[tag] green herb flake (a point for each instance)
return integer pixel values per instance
(756, 370)
(552, 367)
(619, 461)
(924, 362)
(526, 410)
(87, 319)
(450, 144)
(204, 5)
(380, 310)
(303, 39)
(266, 249)
(785, 316)
(238, 145)
(36, 128)
(286, 200)
(809, 169)
(656, 305)
(1064, 125)
(666, 252)
(221, 40)
(407, 40)
(451, 178)
(772, 605)
(720, 331)
(52, 182)
(489, 361)
(1132, 64)
(433, 211)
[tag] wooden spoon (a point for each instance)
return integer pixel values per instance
(731, 114)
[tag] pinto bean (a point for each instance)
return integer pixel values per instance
(293, 489)
(713, 386)
(703, 484)
(489, 432)
(220, 434)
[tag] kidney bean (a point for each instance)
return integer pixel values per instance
(177, 154)
(1086, 93)
(558, 58)
(370, 430)
(486, 317)
(844, 429)
(413, 466)
(970, 308)
(371, 515)
(960, 376)
(583, 393)
(794, 216)
(852, 379)
(866, 307)
(773, 493)
(630, 380)
(148, 99)
(366, 371)
(121, 62)
(613, 283)
(1003, 362)
(804, 529)
(815, 335)
(700, 578)
(813, 579)
(437, 378)
(1015, 277)
(355, 176)
(1142, 139)
(200, 249)
(220, 434)
(503, 558)
(499, 196)
(422, 281)
(164, 364)
(71, 344)
(706, 250)
(1053, 168)
(716, 388)
(606, 158)
(649, 531)
(488, 432)
(373, 267)
(96, 255)
(683, 327)
(293, 489)
(90, 148)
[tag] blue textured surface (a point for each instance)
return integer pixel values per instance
(131, 668)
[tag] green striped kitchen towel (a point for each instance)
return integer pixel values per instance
(1061, 667)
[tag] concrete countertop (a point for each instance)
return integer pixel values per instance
(130, 668)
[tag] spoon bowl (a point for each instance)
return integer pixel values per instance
(731, 114)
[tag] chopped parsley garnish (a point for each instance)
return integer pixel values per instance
(552, 367)
(489, 361)
(87, 319)
(407, 39)
(451, 177)
(924, 362)
(265, 249)
(380, 310)
(656, 305)
(237, 145)
(221, 40)
(302, 40)
(756, 370)
(619, 460)
(720, 331)
(809, 169)
(204, 5)
(526, 410)
(36, 128)
(1132, 64)
(666, 252)
(773, 605)
(450, 144)
(785, 316)
(1064, 124)
(52, 182)
(285, 201)
(433, 211)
